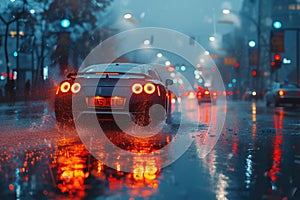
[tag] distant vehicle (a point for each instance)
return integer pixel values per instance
(105, 90)
(206, 95)
(280, 94)
(250, 95)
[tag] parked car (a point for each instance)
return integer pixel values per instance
(106, 90)
(281, 94)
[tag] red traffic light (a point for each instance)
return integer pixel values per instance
(277, 57)
(254, 72)
(272, 64)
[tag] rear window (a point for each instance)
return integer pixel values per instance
(289, 86)
(114, 68)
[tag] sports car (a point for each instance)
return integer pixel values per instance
(128, 90)
(286, 93)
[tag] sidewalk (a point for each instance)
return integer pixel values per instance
(38, 95)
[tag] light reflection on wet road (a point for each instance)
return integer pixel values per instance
(256, 157)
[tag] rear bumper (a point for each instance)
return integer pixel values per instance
(65, 111)
(206, 99)
(292, 100)
(102, 115)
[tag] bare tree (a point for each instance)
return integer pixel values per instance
(11, 12)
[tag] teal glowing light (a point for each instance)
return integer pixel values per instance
(183, 68)
(277, 24)
(65, 23)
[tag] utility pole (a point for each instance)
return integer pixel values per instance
(298, 70)
(259, 49)
(18, 53)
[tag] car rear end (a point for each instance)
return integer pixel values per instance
(109, 97)
(205, 95)
(288, 95)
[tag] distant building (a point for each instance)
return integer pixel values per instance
(254, 24)
(288, 13)
(23, 51)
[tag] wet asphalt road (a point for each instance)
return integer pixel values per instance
(257, 156)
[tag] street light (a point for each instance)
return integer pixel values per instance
(252, 43)
(32, 11)
(146, 42)
(167, 63)
(127, 16)
(159, 55)
(226, 11)
(212, 38)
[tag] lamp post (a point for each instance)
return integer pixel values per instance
(129, 17)
(256, 23)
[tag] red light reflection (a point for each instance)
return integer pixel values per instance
(71, 166)
(277, 151)
(143, 181)
(74, 165)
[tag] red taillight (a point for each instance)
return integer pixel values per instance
(281, 92)
(149, 88)
(158, 91)
(214, 93)
(65, 87)
(199, 94)
(206, 92)
(137, 88)
(57, 91)
(75, 88)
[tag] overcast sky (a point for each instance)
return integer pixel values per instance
(196, 18)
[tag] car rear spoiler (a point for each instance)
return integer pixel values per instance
(75, 75)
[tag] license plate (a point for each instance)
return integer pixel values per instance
(106, 102)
